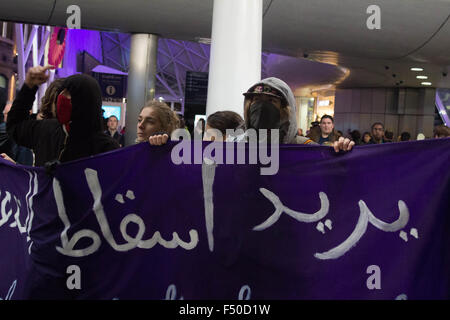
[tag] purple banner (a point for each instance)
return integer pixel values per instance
(373, 223)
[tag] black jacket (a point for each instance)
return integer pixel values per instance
(120, 138)
(6, 143)
(47, 138)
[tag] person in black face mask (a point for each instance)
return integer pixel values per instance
(74, 132)
(266, 108)
(270, 104)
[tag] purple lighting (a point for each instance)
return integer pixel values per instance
(441, 108)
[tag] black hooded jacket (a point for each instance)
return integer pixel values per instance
(47, 137)
(6, 144)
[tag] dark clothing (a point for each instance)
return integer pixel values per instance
(120, 138)
(86, 136)
(3, 99)
(24, 156)
(6, 143)
(315, 134)
(19, 154)
(47, 137)
(322, 140)
(371, 141)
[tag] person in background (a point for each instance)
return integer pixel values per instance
(356, 136)
(8, 147)
(156, 118)
(389, 136)
(366, 138)
(222, 120)
(113, 124)
(441, 131)
(300, 132)
(405, 136)
(182, 122)
(314, 132)
(326, 135)
(199, 129)
(377, 133)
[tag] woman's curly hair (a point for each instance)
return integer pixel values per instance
(50, 97)
(168, 119)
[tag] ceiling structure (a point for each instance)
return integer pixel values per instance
(331, 34)
(175, 58)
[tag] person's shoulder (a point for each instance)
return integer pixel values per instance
(49, 125)
(107, 141)
(303, 140)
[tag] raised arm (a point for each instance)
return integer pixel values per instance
(19, 125)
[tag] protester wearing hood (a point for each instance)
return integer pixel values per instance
(76, 130)
(270, 104)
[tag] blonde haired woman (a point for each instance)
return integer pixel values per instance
(156, 118)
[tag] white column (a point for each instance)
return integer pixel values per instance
(141, 80)
(235, 60)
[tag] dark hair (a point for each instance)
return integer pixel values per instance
(222, 120)
(405, 136)
(376, 123)
(50, 97)
(441, 131)
(389, 135)
(356, 136)
(363, 135)
(2, 102)
(326, 116)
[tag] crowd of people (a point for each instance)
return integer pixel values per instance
(324, 133)
(70, 123)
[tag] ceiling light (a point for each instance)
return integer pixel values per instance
(426, 83)
(203, 40)
(416, 69)
(422, 77)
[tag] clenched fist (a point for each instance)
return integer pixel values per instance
(37, 75)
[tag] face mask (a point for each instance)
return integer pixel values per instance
(263, 115)
(64, 111)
